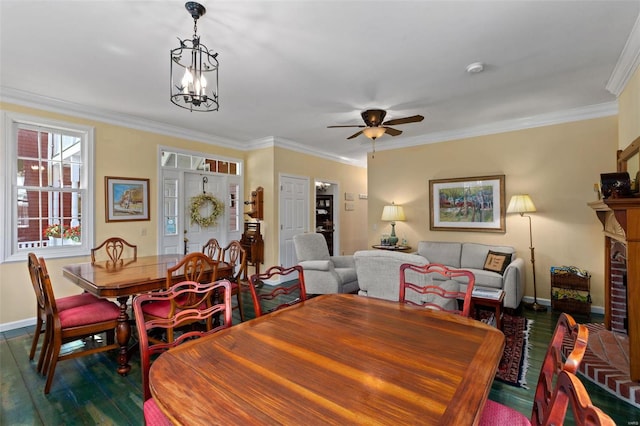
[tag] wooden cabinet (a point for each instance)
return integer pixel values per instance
(324, 219)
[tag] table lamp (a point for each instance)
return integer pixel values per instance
(523, 204)
(393, 213)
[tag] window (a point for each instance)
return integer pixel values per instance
(48, 172)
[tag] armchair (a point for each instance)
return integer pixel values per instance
(324, 273)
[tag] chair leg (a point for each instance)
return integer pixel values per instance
(43, 361)
(36, 337)
(239, 296)
(53, 360)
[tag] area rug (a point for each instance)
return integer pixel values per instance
(606, 363)
(515, 358)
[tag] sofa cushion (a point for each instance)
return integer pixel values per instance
(474, 254)
(442, 252)
(482, 279)
(497, 261)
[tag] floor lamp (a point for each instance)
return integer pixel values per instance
(523, 204)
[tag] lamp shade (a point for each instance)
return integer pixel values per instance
(521, 204)
(374, 132)
(392, 213)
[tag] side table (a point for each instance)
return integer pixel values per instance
(495, 303)
(391, 248)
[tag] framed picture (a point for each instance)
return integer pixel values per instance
(467, 204)
(126, 199)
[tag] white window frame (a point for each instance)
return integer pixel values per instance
(8, 187)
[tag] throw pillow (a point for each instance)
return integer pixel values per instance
(497, 262)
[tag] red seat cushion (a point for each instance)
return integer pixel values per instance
(160, 309)
(69, 302)
(100, 311)
(496, 414)
(153, 416)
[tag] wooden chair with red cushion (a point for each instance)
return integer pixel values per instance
(289, 290)
(114, 248)
(418, 289)
(571, 392)
(236, 256)
(495, 413)
(62, 303)
(194, 267)
(201, 311)
(74, 324)
(212, 249)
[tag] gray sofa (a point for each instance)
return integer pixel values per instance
(472, 256)
(378, 271)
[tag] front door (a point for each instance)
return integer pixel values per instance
(195, 184)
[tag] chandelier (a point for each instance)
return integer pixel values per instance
(194, 70)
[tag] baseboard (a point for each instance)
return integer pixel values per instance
(17, 324)
(547, 302)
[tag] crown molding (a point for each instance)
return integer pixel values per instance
(59, 106)
(560, 117)
(76, 110)
(627, 62)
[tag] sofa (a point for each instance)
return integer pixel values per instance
(378, 271)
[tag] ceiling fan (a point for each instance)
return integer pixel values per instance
(374, 126)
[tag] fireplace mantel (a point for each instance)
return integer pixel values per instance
(620, 218)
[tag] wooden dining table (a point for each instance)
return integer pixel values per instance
(124, 279)
(333, 359)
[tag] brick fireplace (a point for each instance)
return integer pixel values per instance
(618, 294)
(621, 227)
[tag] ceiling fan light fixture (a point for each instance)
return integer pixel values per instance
(373, 132)
(194, 70)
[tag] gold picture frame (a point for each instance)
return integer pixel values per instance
(467, 204)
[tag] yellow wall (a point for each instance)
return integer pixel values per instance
(557, 165)
(121, 151)
(628, 112)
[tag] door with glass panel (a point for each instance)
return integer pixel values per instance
(179, 233)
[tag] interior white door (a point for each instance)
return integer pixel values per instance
(196, 236)
(294, 215)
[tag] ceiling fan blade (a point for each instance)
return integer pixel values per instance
(352, 125)
(355, 135)
(392, 132)
(405, 120)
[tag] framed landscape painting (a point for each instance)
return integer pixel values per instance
(126, 199)
(467, 204)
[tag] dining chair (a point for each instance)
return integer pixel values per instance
(212, 249)
(236, 256)
(74, 324)
(571, 392)
(418, 289)
(194, 267)
(201, 309)
(62, 304)
(289, 289)
(114, 248)
(567, 332)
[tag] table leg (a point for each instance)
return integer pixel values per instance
(123, 332)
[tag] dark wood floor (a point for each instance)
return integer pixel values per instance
(88, 390)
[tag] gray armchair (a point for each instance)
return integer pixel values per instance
(324, 274)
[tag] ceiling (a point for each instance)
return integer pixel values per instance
(288, 69)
